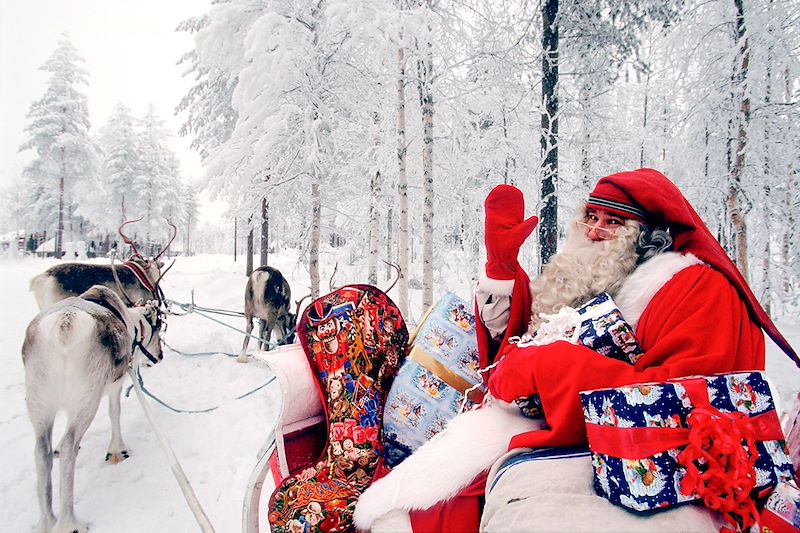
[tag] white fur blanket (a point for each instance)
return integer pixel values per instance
(446, 464)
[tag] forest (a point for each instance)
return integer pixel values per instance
(365, 131)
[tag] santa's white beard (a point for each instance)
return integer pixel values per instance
(583, 269)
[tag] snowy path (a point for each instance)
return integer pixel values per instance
(218, 449)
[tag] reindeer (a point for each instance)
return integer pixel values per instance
(140, 278)
(267, 297)
(74, 352)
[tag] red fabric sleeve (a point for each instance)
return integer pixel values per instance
(519, 315)
(696, 324)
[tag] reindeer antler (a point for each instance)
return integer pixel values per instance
(127, 239)
(164, 249)
(333, 275)
(162, 273)
(297, 304)
(116, 279)
(399, 273)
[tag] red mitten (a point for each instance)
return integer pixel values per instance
(505, 231)
(513, 377)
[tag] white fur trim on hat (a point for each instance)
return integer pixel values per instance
(499, 287)
(640, 287)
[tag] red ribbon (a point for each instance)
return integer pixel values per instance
(723, 444)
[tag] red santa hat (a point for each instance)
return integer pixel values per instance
(649, 196)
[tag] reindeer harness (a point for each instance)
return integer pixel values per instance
(141, 275)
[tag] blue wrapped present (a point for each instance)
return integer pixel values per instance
(604, 330)
(429, 388)
(715, 438)
(781, 513)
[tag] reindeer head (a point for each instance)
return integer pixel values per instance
(148, 323)
(151, 266)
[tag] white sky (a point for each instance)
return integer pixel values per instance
(130, 47)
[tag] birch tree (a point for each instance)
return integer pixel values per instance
(742, 119)
(402, 178)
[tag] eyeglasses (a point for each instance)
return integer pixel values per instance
(604, 233)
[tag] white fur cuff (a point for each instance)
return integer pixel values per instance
(499, 287)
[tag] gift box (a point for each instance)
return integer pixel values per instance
(715, 438)
(428, 391)
(604, 330)
(781, 512)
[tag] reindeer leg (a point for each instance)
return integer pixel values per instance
(262, 327)
(43, 453)
(78, 423)
(117, 451)
(243, 354)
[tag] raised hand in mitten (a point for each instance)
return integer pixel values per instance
(505, 231)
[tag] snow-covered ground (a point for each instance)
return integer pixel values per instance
(217, 449)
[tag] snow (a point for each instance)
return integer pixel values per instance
(218, 449)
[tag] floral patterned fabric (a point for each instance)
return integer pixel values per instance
(355, 340)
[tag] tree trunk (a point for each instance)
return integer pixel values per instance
(790, 200)
(390, 258)
(374, 207)
(374, 229)
(586, 125)
(249, 260)
(548, 223)
(59, 245)
(509, 160)
(316, 235)
(766, 288)
(402, 185)
(264, 231)
(425, 70)
(644, 118)
(735, 183)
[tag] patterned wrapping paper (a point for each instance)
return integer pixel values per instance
(604, 330)
(428, 390)
(781, 512)
(653, 481)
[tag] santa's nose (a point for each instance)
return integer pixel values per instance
(595, 234)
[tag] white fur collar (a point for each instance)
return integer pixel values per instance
(640, 287)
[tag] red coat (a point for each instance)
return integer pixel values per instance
(695, 324)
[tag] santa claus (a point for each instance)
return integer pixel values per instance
(637, 238)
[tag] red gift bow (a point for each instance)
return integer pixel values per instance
(725, 484)
(715, 439)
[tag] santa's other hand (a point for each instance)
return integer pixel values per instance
(514, 377)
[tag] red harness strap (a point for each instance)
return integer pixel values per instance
(142, 277)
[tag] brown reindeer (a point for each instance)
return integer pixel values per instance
(139, 276)
(266, 297)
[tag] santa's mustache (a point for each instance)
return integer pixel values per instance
(583, 269)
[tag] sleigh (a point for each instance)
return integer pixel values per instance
(520, 492)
